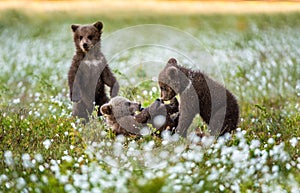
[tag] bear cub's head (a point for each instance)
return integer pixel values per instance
(87, 36)
(119, 113)
(120, 107)
(170, 80)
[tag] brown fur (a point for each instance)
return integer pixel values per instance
(169, 111)
(119, 113)
(89, 71)
(199, 94)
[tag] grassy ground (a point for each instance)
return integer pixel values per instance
(42, 148)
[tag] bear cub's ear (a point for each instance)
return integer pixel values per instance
(75, 27)
(106, 109)
(172, 72)
(98, 25)
(172, 62)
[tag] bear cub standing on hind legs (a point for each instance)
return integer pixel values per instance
(199, 94)
(89, 71)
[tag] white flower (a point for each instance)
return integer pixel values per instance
(38, 157)
(164, 154)
(47, 143)
(149, 146)
(120, 138)
(278, 135)
(118, 149)
(45, 179)
(8, 158)
(271, 141)
(73, 125)
(26, 161)
(179, 149)
(41, 168)
(69, 188)
(3, 178)
(63, 179)
(145, 131)
(20, 183)
(145, 92)
(221, 188)
(254, 144)
(166, 135)
(54, 168)
(275, 169)
(16, 101)
(33, 178)
(81, 181)
(177, 188)
(294, 141)
(175, 137)
(214, 175)
(67, 158)
(208, 140)
(154, 89)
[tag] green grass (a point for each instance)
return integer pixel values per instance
(256, 55)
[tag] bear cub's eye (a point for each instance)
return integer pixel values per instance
(80, 37)
(90, 37)
(127, 104)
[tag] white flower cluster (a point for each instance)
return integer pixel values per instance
(183, 167)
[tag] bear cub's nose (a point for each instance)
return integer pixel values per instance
(85, 45)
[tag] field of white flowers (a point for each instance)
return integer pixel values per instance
(44, 149)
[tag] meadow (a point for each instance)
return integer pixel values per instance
(44, 149)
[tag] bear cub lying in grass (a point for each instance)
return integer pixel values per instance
(199, 94)
(120, 114)
(89, 71)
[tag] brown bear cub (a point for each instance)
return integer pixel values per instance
(120, 114)
(199, 94)
(161, 116)
(89, 71)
